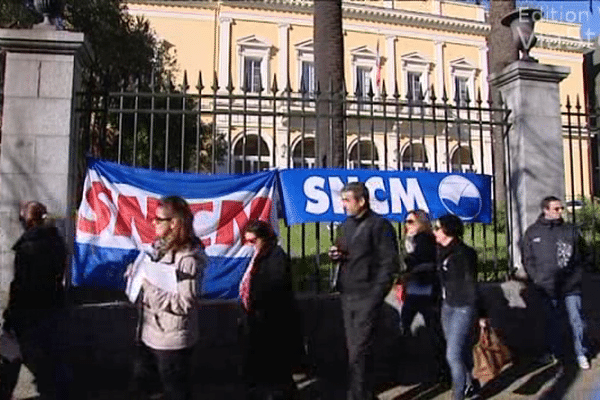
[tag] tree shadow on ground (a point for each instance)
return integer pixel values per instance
(425, 391)
(511, 375)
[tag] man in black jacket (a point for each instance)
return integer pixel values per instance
(368, 252)
(553, 259)
(34, 298)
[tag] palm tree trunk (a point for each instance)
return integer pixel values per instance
(329, 71)
(502, 52)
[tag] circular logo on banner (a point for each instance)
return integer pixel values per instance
(460, 197)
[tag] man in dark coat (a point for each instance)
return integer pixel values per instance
(35, 296)
(553, 257)
(368, 252)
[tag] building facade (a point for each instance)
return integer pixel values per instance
(417, 50)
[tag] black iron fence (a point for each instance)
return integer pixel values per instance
(224, 129)
(581, 126)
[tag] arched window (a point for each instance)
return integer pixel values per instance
(462, 160)
(246, 155)
(414, 158)
(369, 157)
(304, 150)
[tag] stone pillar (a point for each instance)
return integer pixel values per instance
(534, 143)
(39, 147)
(224, 51)
(284, 57)
(390, 53)
(440, 64)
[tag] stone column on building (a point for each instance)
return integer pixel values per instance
(439, 67)
(483, 61)
(224, 51)
(284, 55)
(39, 142)
(390, 53)
(534, 142)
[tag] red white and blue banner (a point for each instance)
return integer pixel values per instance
(119, 202)
(115, 216)
(312, 195)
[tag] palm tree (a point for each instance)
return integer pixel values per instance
(329, 71)
(502, 52)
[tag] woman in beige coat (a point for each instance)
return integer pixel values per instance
(169, 319)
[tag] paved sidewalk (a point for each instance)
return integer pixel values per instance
(528, 382)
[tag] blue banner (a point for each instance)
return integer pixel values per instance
(313, 195)
(114, 221)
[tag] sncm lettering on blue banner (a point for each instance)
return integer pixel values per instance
(313, 195)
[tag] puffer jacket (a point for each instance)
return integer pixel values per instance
(170, 320)
(554, 256)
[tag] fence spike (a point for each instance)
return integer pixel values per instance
(371, 93)
(199, 85)
(303, 89)
(230, 86)
(396, 91)
(568, 102)
(274, 87)
(344, 92)
(357, 90)
(215, 85)
(432, 97)
(479, 100)
(383, 91)
(467, 97)
(318, 89)
(185, 85)
(288, 86)
(577, 103)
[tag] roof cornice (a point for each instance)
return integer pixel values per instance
(382, 15)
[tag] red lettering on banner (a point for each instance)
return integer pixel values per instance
(130, 212)
(196, 208)
(260, 208)
(100, 209)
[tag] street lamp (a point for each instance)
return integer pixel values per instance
(521, 24)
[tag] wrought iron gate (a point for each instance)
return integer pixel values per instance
(224, 129)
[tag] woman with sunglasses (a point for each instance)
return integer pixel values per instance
(270, 324)
(457, 263)
(421, 284)
(169, 320)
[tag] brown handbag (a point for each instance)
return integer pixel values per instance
(490, 355)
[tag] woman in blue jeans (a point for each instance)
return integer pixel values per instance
(456, 263)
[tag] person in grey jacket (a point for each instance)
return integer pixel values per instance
(553, 258)
(368, 252)
(169, 320)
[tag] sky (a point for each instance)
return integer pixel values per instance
(577, 11)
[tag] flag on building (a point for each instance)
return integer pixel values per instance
(377, 67)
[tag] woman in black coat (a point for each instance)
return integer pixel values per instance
(271, 329)
(421, 284)
(457, 266)
(420, 281)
